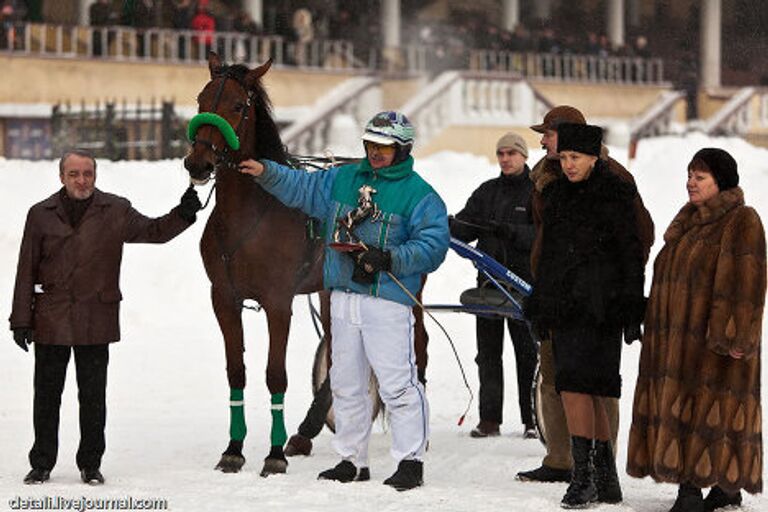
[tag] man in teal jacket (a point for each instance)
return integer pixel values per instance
(393, 228)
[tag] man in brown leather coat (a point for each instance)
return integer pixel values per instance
(67, 299)
(556, 466)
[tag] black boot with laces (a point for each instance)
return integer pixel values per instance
(581, 491)
(606, 479)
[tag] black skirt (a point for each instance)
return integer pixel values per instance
(587, 360)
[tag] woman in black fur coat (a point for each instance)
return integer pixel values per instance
(589, 289)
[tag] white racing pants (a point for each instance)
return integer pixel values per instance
(373, 333)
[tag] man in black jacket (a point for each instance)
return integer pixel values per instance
(498, 216)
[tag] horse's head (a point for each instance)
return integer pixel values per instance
(232, 107)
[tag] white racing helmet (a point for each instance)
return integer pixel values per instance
(388, 128)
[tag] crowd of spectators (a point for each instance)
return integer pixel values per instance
(446, 44)
(203, 17)
(450, 42)
(11, 13)
(300, 22)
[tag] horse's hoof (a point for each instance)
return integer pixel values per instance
(230, 463)
(274, 467)
(298, 445)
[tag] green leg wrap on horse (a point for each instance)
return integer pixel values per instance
(237, 427)
(279, 435)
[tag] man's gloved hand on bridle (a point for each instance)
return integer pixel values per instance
(189, 205)
(23, 336)
(369, 262)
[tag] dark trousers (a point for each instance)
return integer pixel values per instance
(490, 347)
(50, 373)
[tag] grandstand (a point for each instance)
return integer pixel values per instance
(465, 71)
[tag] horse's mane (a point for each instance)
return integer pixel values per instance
(267, 142)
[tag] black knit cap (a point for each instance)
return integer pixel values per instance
(583, 138)
(718, 162)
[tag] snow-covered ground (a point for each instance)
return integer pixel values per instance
(168, 394)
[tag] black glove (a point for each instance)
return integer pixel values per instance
(633, 313)
(503, 229)
(632, 332)
(369, 262)
(361, 276)
(23, 336)
(374, 260)
(189, 205)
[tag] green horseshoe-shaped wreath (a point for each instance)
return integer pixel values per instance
(219, 122)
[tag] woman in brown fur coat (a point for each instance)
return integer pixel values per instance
(696, 415)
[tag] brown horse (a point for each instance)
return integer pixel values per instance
(253, 246)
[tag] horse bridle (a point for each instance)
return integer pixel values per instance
(222, 155)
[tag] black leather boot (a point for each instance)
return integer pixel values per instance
(409, 475)
(718, 498)
(545, 474)
(485, 429)
(37, 476)
(343, 472)
(688, 499)
(91, 476)
(581, 491)
(606, 479)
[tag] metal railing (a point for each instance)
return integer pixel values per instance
(570, 67)
(172, 46)
(180, 46)
(141, 131)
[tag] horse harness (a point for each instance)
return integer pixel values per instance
(222, 155)
(227, 254)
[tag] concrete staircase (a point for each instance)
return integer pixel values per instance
(467, 111)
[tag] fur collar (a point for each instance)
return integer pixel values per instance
(545, 172)
(713, 210)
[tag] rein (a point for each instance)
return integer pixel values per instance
(295, 161)
(320, 163)
(208, 199)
